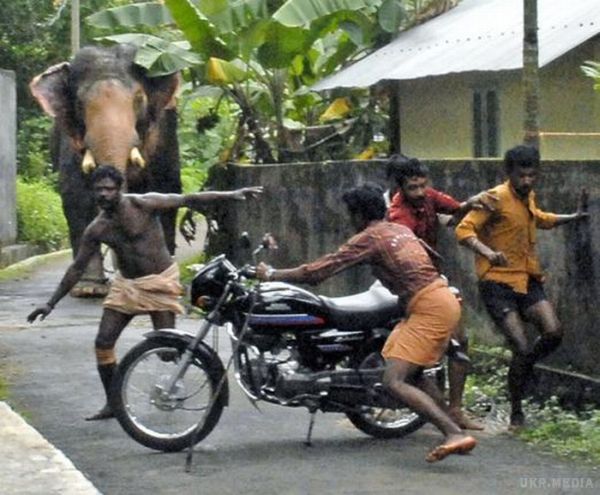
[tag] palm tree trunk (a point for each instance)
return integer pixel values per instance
(531, 81)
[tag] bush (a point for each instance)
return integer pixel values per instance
(33, 154)
(40, 218)
(569, 433)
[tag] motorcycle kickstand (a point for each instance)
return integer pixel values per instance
(311, 424)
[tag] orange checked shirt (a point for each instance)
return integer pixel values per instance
(510, 229)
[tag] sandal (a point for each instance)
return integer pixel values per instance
(462, 446)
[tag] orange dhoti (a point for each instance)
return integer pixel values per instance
(433, 314)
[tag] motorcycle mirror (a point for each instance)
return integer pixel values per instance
(269, 242)
(245, 241)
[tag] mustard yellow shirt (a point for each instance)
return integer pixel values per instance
(512, 230)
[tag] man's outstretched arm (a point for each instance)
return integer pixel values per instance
(195, 201)
(545, 220)
(86, 251)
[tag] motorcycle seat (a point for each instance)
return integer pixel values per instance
(374, 307)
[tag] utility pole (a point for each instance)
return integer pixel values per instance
(531, 80)
(75, 34)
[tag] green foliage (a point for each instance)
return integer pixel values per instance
(576, 435)
(592, 69)
(301, 12)
(32, 37)
(486, 384)
(187, 268)
(33, 156)
(283, 48)
(40, 219)
(200, 148)
(564, 432)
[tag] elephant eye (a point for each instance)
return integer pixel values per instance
(139, 102)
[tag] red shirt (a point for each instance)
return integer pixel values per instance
(422, 220)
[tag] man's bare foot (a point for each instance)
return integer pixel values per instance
(464, 421)
(454, 444)
(90, 289)
(104, 413)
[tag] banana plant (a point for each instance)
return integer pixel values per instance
(592, 69)
(264, 54)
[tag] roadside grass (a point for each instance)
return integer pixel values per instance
(568, 433)
(25, 267)
(3, 387)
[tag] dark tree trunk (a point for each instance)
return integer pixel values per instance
(531, 81)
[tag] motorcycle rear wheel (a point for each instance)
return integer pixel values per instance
(160, 421)
(382, 422)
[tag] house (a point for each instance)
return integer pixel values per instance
(458, 80)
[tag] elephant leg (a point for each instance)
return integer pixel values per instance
(168, 220)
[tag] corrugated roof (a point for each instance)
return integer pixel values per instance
(477, 35)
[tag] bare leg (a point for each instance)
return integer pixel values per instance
(396, 373)
(457, 376)
(394, 379)
(430, 387)
(520, 366)
(542, 315)
(162, 319)
(111, 326)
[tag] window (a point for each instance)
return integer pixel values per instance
(485, 122)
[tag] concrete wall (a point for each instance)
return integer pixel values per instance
(436, 113)
(8, 157)
(302, 208)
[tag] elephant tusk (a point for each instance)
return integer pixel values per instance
(88, 164)
(136, 158)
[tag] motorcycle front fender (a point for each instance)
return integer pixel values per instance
(204, 352)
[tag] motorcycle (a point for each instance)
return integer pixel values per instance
(290, 347)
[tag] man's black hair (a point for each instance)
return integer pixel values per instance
(366, 200)
(403, 168)
(107, 172)
(521, 156)
(394, 163)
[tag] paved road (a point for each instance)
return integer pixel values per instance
(54, 381)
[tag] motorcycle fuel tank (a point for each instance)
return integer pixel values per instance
(284, 306)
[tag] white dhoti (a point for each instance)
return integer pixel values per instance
(151, 293)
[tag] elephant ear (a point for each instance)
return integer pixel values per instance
(161, 92)
(52, 92)
(50, 89)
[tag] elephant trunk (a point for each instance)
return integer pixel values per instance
(111, 137)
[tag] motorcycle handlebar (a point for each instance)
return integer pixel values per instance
(248, 271)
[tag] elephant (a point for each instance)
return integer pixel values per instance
(108, 111)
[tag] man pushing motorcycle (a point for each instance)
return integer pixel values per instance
(400, 262)
(148, 278)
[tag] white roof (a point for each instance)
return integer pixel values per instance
(477, 35)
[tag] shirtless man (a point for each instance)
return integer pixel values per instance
(148, 282)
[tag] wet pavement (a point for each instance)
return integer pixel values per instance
(53, 384)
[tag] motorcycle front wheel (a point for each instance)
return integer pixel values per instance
(380, 422)
(156, 417)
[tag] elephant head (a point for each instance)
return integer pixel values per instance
(107, 106)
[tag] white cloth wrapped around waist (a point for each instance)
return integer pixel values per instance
(156, 292)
